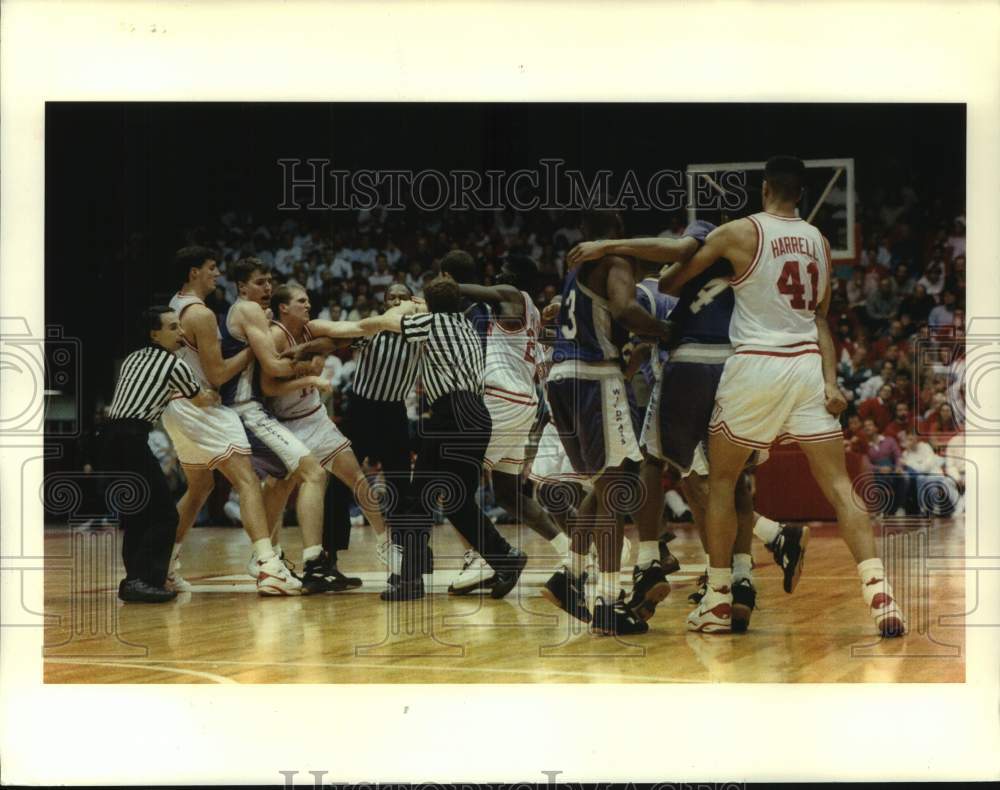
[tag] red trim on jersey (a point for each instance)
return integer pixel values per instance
(779, 353)
(757, 254)
(499, 392)
(335, 453)
(810, 437)
(786, 219)
(231, 451)
(283, 328)
(721, 427)
(300, 416)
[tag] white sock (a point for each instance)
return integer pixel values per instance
(175, 553)
(263, 549)
(311, 553)
(561, 544)
(577, 563)
(395, 559)
(767, 530)
(720, 579)
(873, 581)
(676, 504)
(608, 588)
(649, 550)
(278, 550)
(742, 564)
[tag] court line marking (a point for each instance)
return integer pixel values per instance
(132, 664)
(392, 668)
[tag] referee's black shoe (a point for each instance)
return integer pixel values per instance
(401, 590)
(789, 552)
(614, 618)
(508, 571)
(320, 575)
(138, 591)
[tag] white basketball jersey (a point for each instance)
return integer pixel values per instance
(301, 402)
(188, 350)
(512, 356)
(777, 296)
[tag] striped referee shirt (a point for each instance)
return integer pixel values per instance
(387, 367)
(150, 378)
(452, 358)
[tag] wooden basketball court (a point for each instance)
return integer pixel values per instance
(222, 632)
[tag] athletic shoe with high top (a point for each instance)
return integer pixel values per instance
(175, 581)
(275, 578)
(318, 576)
(668, 561)
(883, 608)
(344, 581)
(649, 587)
(252, 563)
(566, 592)
(616, 619)
(698, 594)
(403, 590)
(476, 574)
(714, 613)
(744, 602)
(507, 573)
(789, 552)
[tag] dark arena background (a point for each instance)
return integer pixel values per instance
(127, 184)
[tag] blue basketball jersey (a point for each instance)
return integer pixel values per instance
(479, 314)
(659, 305)
(705, 307)
(586, 330)
(245, 385)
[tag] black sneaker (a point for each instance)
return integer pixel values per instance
(317, 577)
(668, 561)
(403, 590)
(698, 594)
(138, 591)
(567, 593)
(789, 552)
(508, 573)
(616, 619)
(649, 587)
(744, 601)
(346, 582)
(684, 518)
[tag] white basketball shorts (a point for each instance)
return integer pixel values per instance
(319, 433)
(512, 423)
(204, 438)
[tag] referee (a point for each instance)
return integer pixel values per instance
(376, 422)
(150, 378)
(454, 441)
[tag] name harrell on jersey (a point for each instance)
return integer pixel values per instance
(512, 357)
(777, 296)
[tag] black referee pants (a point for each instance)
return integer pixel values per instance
(380, 431)
(448, 470)
(149, 530)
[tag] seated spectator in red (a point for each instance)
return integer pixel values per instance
(941, 423)
(878, 409)
(844, 342)
(871, 387)
(885, 455)
(855, 440)
(902, 421)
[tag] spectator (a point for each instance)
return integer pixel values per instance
(954, 468)
(884, 454)
(902, 421)
(878, 408)
(882, 305)
(932, 281)
(919, 304)
(854, 436)
(871, 387)
(381, 278)
(942, 421)
(935, 493)
(902, 281)
(944, 313)
(856, 295)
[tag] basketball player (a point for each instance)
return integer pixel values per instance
(676, 425)
(509, 323)
(301, 411)
(277, 451)
(587, 397)
(213, 438)
(780, 383)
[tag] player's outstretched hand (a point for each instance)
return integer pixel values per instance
(551, 310)
(321, 384)
(835, 400)
(583, 252)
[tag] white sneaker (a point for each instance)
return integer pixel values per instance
(175, 581)
(275, 578)
(252, 563)
(358, 520)
(714, 613)
(475, 574)
(883, 608)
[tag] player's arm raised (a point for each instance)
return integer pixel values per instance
(716, 245)
(655, 250)
(835, 400)
(623, 306)
(391, 320)
(506, 295)
(201, 323)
